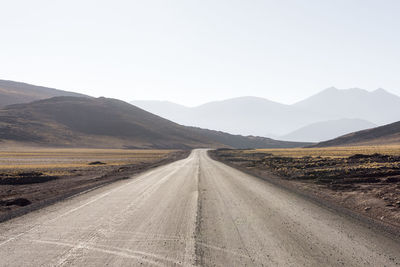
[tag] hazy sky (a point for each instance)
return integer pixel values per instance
(192, 51)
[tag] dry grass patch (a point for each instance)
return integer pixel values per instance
(60, 158)
(333, 152)
(327, 165)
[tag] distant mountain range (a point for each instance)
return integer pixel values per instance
(103, 122)
(243, 115)
(379, 106)
(16, 92)
(80, 120)
(328, 114)
(325, 130)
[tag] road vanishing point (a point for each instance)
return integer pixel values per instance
(193, 212)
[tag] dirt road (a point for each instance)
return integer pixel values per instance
(194, 211)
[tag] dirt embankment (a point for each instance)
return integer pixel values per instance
(366, 184)
(28, 190)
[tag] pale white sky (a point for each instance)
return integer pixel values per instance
(191, 52)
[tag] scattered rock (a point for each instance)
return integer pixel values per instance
(26, 178)
(367, 208)
(359, 156)
(30, 174)
(392, 179)
(18, 202)
(97, 163)
(122, 169)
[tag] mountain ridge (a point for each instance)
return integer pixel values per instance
(104, 122)
(12, 92)
(383, 135)
(273, 119)
(325, 130)
(240, 115)
(378, 106)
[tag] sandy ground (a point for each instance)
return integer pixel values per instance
(195, 211)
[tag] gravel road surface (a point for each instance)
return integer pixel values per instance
(195, 211)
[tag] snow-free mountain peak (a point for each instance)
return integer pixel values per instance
(378, 106)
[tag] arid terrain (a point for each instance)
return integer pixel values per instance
(192, 212)
(97, 181)
(200, 133)
(363, 179)
(30, 177)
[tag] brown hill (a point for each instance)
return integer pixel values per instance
(17, 92)
(384, 135)
(103, 122)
